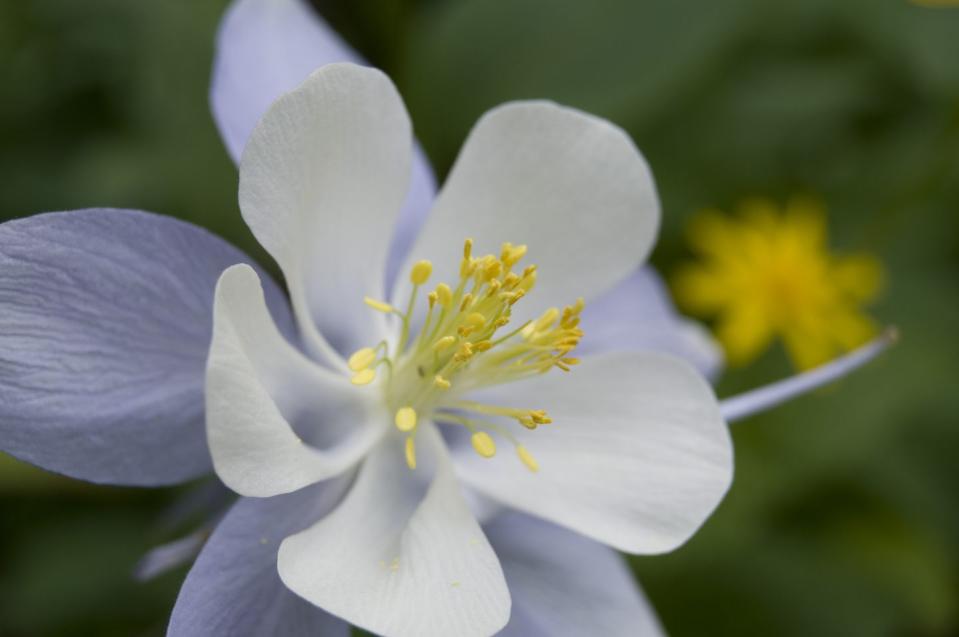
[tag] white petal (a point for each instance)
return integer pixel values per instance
(322, 179)
(398, 563)
(638, 315)
(419, 200)
(637, 456)
(565, 585)
(571, 186)
(257, 385)
(264, 49)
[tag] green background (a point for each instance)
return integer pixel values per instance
(843, 517)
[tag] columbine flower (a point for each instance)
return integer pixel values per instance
(628, 448)
(105, 326)
(765, 274)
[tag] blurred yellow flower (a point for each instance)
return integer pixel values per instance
(766, 273)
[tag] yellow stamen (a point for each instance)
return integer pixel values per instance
(527, 459)
(482, 346)
(361, 359)
(363, 377)
(511, 254)
(405, 419)
(475, 319)
(546, 321)
(468, 265)
(379, 306)
(492, 268)
(465, 352)
(443, 343)
(483, 444)
(421, 272)
(460, 344)
(529, 279)
(410, 453)
(444, 294)
(539, 417)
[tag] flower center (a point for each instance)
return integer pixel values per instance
(465, 344)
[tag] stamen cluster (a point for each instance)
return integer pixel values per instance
(461, 347)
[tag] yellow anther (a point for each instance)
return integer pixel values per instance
(431, 298)
(527, 422)
(443, 343)
(411, 453)
(570, 361)
(500, 322)
(361, 359)
(441, 382)
(475, 319)
(527, 459)
(518, 253)
(363, 377)
(379, 306)
(444, 294)
(540, 417)
(421, 272)
(512, 297)
(510, 280)
(465, 330)
(467, 301)
(492, 267)
(482, 346)
(483, 444)
(464, 353)
(468, 264)
(529, 279)
(546, 321)
(405, 419)
(511, 254)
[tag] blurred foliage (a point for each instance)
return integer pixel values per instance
(842, 519)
